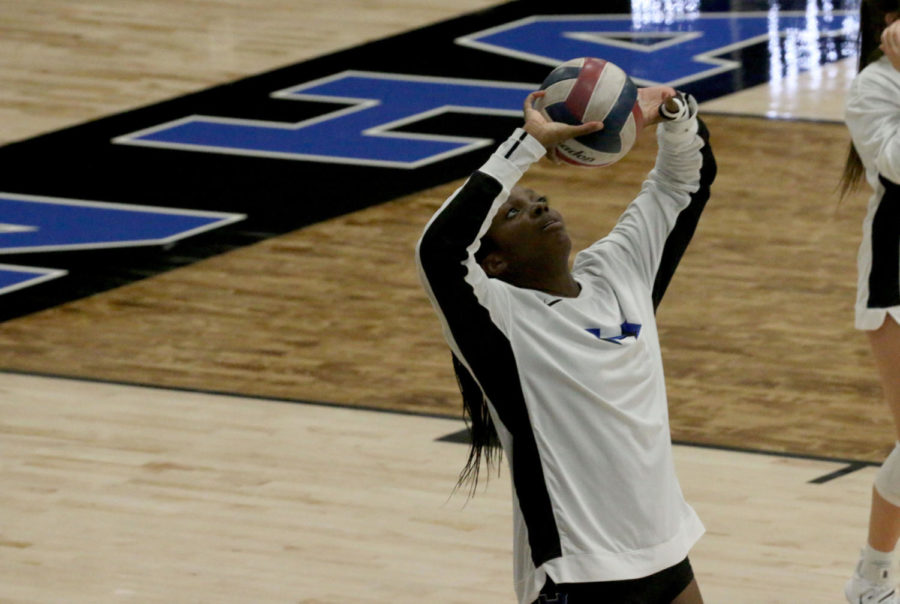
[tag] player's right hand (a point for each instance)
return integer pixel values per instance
(548, 132)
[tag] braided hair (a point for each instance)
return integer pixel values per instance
(485, 441)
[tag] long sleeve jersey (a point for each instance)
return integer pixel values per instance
(873, 118)
(575, 386)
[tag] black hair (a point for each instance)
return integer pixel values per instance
(483, 435)
(485, 441)
(871, 26)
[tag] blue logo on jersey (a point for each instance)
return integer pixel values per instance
(363, 133)
(673, 52)
(615, 336)
(33, 224)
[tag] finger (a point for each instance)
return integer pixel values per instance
(673, 108)
(568, 132)
(672, 104)
(553, 155)
(531, 98)
(587, 128)
(668, 92)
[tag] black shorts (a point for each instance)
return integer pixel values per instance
(659, 588)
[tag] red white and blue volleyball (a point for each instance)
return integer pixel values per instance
(588, 89)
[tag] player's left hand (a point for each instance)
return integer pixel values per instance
(650, 98)
(679, 108)
(890, 43)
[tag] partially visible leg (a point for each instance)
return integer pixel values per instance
(690, 595)
(873, 579)
(884, 524)
(884, 520)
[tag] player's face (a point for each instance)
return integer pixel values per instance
(526, 229)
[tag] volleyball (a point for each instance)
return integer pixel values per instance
(586, 90)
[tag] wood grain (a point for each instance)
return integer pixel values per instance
(757, 325)
(117, 493)
(124, 494)
(65, 62)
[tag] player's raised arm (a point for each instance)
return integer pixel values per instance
(657, 226)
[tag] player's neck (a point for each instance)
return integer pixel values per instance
(558, 284)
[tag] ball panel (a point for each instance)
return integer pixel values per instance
(616, 96)
(572, 152)
(585, 87)
(559, 112)
(556, 93)
(606, 142)
(560, 74)
(628, 134)
(607, 90)
(578, 154)
(592, 150)
(638, 117)
(561, 156)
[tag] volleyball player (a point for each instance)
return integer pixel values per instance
(563, 368)
(873, 118)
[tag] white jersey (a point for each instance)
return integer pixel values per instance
(575, 386)
(873, 118)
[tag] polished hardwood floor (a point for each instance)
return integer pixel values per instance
(756, 326)
(113, 492)
(125, 494)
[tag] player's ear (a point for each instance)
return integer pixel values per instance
(494, 264)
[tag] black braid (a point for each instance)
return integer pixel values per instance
(485, 442)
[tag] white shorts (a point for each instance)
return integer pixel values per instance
(878, 261)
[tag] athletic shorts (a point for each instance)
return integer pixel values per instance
(659, 588)
(878, 261)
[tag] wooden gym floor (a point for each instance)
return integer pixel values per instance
(125, 478)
